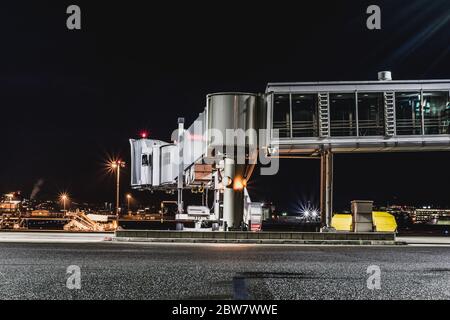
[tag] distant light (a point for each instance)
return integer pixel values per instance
(117, 163)
(63, 196)
(308, 211)
(128, 196)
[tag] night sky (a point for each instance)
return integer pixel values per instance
(70, 99)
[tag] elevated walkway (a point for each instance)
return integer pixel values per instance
(358, 116)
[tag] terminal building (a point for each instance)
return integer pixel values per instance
(312, 119)
(432, 216)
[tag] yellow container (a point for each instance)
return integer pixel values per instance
(384, 222)
(342, 222)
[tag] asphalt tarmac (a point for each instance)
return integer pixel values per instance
(109, 270)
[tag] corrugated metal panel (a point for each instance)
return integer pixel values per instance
(195, 141)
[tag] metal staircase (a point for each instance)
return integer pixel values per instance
(79, 221)
(389, 113)
(324, 115)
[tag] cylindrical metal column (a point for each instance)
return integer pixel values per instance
(216, 197)
(180, 165)
(326, 188)
(233, 121)
(118, 191)
(228, 194)
(233, 198)
(238, 197)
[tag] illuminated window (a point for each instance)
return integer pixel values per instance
(304, 115)
(408, 113)
(371, 113)
(436, 112)
(281, 115)
(343, 114)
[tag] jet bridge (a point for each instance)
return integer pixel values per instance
(217, 152)
(312, 119)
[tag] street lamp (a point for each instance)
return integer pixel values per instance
(63, 197)
(128, 201)
(115, 166)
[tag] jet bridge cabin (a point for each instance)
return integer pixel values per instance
(153, 164)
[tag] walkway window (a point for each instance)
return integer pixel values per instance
(145, 160)
(436, 112)
(371, 113)
(343, 114)
(281, 115)
(408, 113)
(304, 115)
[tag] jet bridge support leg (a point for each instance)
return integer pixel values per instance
(216, 196)
(326, 187)
(180, 184)
(233, 199)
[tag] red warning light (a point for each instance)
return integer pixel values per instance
(144, 134)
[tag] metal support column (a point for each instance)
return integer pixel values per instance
(228, 194)
(233, 198)
(326, 187)
(216, 196)
(180, 165)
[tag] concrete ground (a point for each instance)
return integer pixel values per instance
(37, 269)
(65, 237)
(414, 240)
(53, 237)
